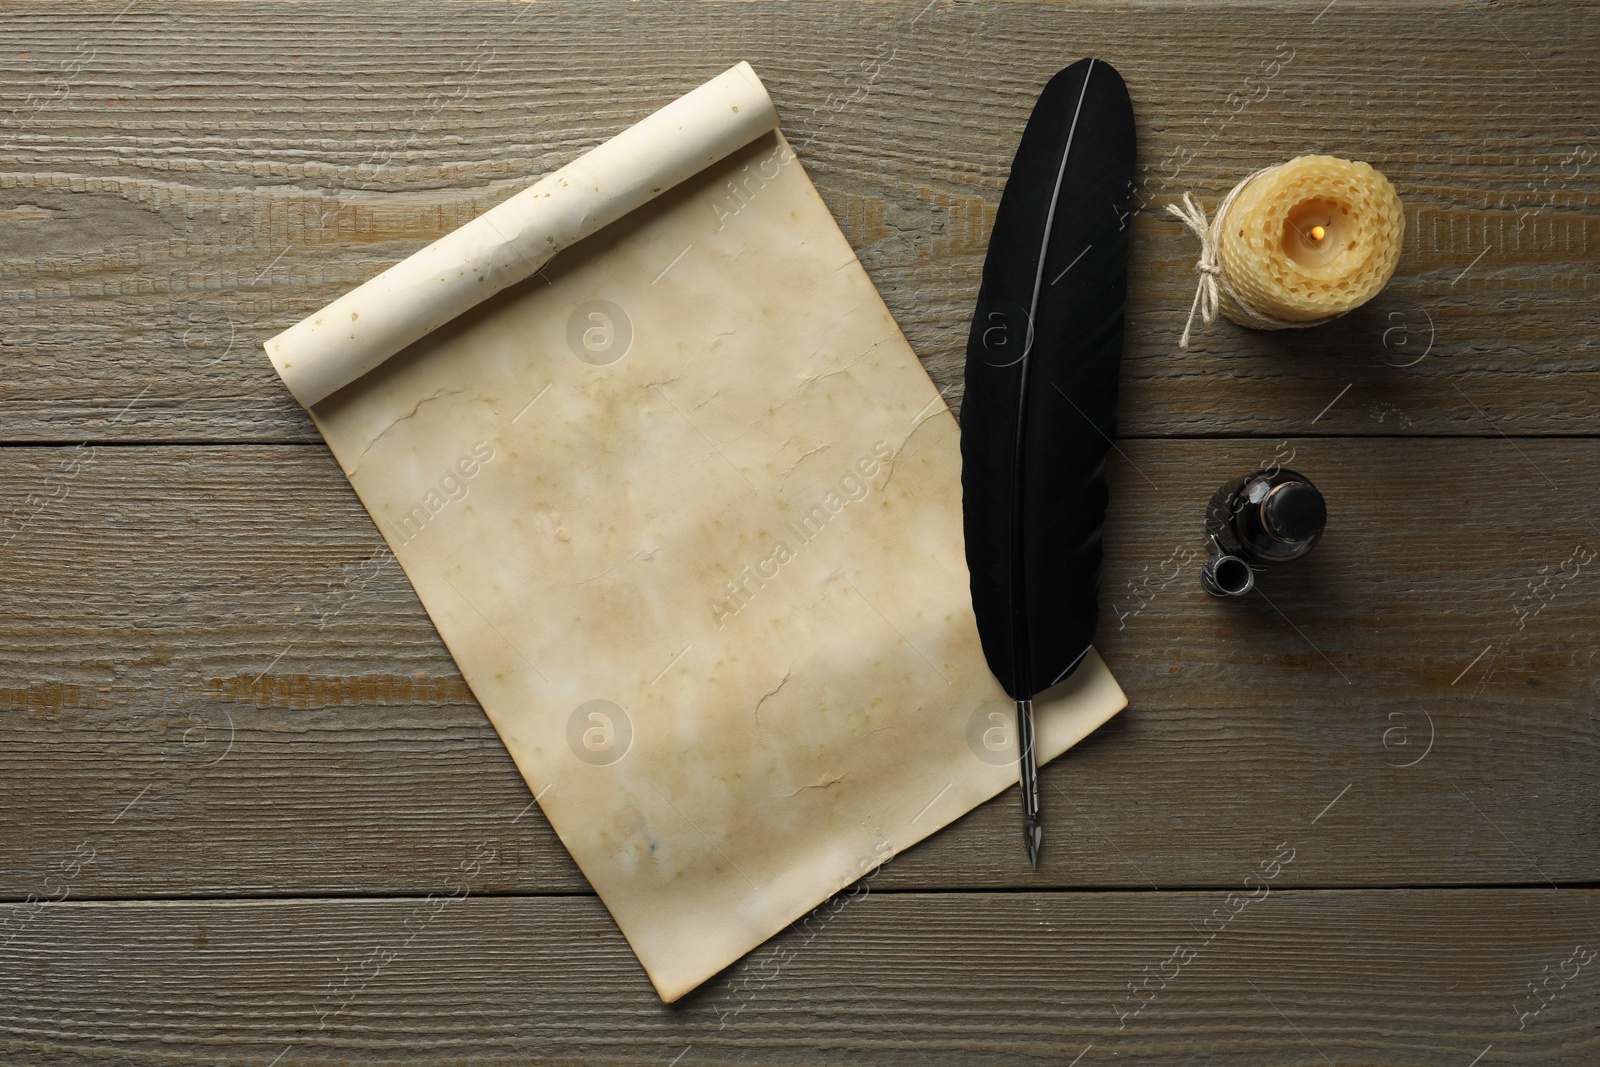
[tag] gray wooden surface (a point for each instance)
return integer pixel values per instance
(240, 775)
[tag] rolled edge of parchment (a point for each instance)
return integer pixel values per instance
(329, 349)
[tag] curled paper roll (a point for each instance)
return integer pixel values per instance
(331, 348)
(1296, 245)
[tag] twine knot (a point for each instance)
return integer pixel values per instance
(1207, 296)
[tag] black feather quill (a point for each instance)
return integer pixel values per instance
(1039, 414)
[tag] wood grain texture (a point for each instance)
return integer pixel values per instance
(1398, 978)
(215, 636)
(180, 183)
(215, 684)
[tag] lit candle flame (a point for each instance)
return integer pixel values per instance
(1318, 233)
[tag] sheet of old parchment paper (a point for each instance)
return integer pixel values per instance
(687, 512)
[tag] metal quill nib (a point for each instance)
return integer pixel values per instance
(1032, 831)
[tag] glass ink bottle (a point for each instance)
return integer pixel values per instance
(1267, 516)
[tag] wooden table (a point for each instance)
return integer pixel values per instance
(1354, 819)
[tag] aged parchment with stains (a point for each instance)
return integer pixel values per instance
(687, 512)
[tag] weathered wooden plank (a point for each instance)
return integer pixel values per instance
(211, 675)
(179, 184)
(1395, 977)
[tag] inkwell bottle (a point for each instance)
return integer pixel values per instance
(1267, 516)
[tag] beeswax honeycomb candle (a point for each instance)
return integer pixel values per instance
(1307, 241)
(1294, 245)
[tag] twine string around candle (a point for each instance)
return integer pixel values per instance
(1213, 284)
